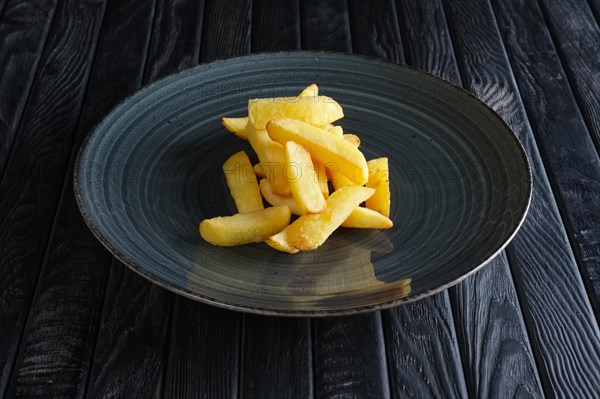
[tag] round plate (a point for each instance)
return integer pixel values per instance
(152, 170)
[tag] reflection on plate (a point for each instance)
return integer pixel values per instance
(151, 171)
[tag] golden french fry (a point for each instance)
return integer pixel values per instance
(244, 228)
(279, 200)
(337, 130)
(258, 171)
(310, 231)
(311, 90)
(236, 126)
(365, 218)
(323, 148)
(322, 178)
(317, 111)
(304, 184)
(337, 179)
(242, 183)
(379, 179)
(272, 158)
(352, 139)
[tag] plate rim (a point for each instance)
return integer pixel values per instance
(137, 268)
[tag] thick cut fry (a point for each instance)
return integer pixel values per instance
(322, 178)
(242, 183)
(236, 126)
(279, 200)
(259, 171)
(323, 147)
(302, 179)
(379, 179)
(272, 159)
(317, 111)
(352, 139)
(244, 228)
(337, 179)
(337, 130)
(311, 90)
(365, 218)
(310, 231)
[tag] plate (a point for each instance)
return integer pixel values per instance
(151, 171)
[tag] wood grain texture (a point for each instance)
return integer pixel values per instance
(275, 25)
(35, 173)
(204, 352)
(325, 23)
(205, 341)
(58, 343)
(24, 28)
(375, 30)
(488, 297)
(422, 351)
(179, 18)
(562, 328)
(131, 347)
(276, 358)
(576, 36)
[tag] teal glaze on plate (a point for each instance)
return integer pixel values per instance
(152, 170)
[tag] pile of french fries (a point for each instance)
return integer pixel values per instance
(299, 151)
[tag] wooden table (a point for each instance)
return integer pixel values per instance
(74, 322)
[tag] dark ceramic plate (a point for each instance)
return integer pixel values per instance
(151, 171)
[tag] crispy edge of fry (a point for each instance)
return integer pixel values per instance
(236, 126)
(312, 90)
(304, 185)
(352, 139)
(365, 218)
(322, 178)
(228, 231)
(278, 200)
(379, 179)
(242, 183)
(259, 171)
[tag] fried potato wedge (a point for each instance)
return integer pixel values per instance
(322, 178)
(272, 159)
(279, 200)
(242, 183)
(310, 231)
(245, 228)
(337, 179)
(365, 218)
(352, 139)
(337, 130)
(316, 111)
(259, 171)
(323, 148)
(379, 179)
(236, 126)
(311, 90)
(302, 178)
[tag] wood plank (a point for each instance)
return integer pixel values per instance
(276, 352)
(325, 22)
(497, 303)
(166, 55)
(204, 355)
(276, 358)
(275, 25)
(563, 330)
(35, 173)
(24, 28)
(422, 361)
(58, 342)
(576, 36)
(375, 30)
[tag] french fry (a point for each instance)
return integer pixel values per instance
(259, 171)
(245, 228)
(316, 111)
(336, 130)
(279, 200)
(242, 183)
(236, 126)
(324, 149)
(379, 180)
(352, 139)
(365, 218)
(311, 90)
(272, 158)
(304, 184)
(322, 178)
(310, 231)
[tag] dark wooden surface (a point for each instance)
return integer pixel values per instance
(74, 322)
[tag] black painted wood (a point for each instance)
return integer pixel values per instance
(595, 6)
(204, 347)
(325, 24)
(63, 323)
(422, 361)
(576, 36)
(275, 25)
(562, 328)
(428, 45)
(24, 27)
(34, 175)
